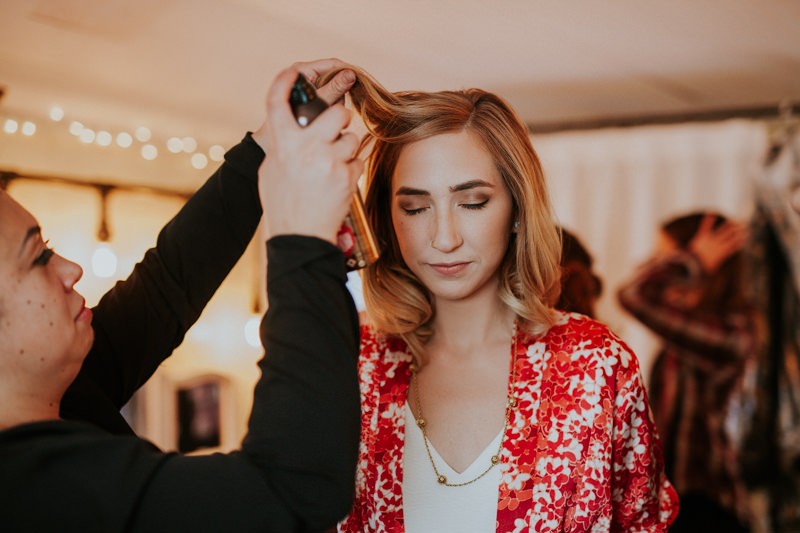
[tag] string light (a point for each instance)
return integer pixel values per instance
(87, 136)
(197, 159)
(124, 139)
(104, 138)
(56, 113)
(149, 152)
(174, 145)
(189, 144)
(142, 134)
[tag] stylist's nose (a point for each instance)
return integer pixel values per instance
(446, 236)
(69, 273)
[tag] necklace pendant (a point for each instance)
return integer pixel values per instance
(442, 480)
(495, 459)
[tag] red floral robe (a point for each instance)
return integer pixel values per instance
(580, 453)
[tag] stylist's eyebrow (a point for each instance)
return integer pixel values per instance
(31, 233)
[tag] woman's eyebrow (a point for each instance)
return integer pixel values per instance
(471, 184)
(467, 185)
(410, 191)
(32, 232)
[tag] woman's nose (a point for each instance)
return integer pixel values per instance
(446, 236)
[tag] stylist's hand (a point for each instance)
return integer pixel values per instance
(308, 178)
(332, 92)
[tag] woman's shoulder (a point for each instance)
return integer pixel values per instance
(572, 327)
(378, 345)
(586, 341)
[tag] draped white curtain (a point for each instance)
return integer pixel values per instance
(613, 188)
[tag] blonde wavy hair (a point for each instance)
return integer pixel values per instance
(397, 301)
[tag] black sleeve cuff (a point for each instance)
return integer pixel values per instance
(286, 253)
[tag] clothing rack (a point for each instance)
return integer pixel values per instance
(781, 112)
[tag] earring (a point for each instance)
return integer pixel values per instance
(516, 227)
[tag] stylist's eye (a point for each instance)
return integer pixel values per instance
(44, 256)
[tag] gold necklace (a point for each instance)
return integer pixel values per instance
(510, 404)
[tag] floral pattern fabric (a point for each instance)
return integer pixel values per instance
(580, 454)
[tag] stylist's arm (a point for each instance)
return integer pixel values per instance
(308, 397)
(296, 468)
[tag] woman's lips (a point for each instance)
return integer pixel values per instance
(449, 269)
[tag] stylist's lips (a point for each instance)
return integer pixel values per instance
(85, 313)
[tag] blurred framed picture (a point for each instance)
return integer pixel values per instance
(199, 415)
(202, 415)
(194, 415)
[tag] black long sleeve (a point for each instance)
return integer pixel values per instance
(311, 337)
(303, 432)
(140, 321)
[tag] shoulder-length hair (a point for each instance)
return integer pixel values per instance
(397, 301)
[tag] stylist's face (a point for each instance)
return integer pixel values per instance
(45, 328)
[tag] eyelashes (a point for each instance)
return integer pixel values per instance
(476, 206)
(44, 257)
(471, 206)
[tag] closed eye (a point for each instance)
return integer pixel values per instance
(476, 206)
(413, 211)
(44, 256)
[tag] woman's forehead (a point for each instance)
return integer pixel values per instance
(444, 160)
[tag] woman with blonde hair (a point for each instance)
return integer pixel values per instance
(483, 408)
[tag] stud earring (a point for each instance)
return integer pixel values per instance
(516, 227)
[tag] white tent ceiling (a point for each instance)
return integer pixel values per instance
(202, 66)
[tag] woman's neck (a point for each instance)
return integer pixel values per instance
(464, 326)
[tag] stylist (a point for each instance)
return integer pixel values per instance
(68, 460)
